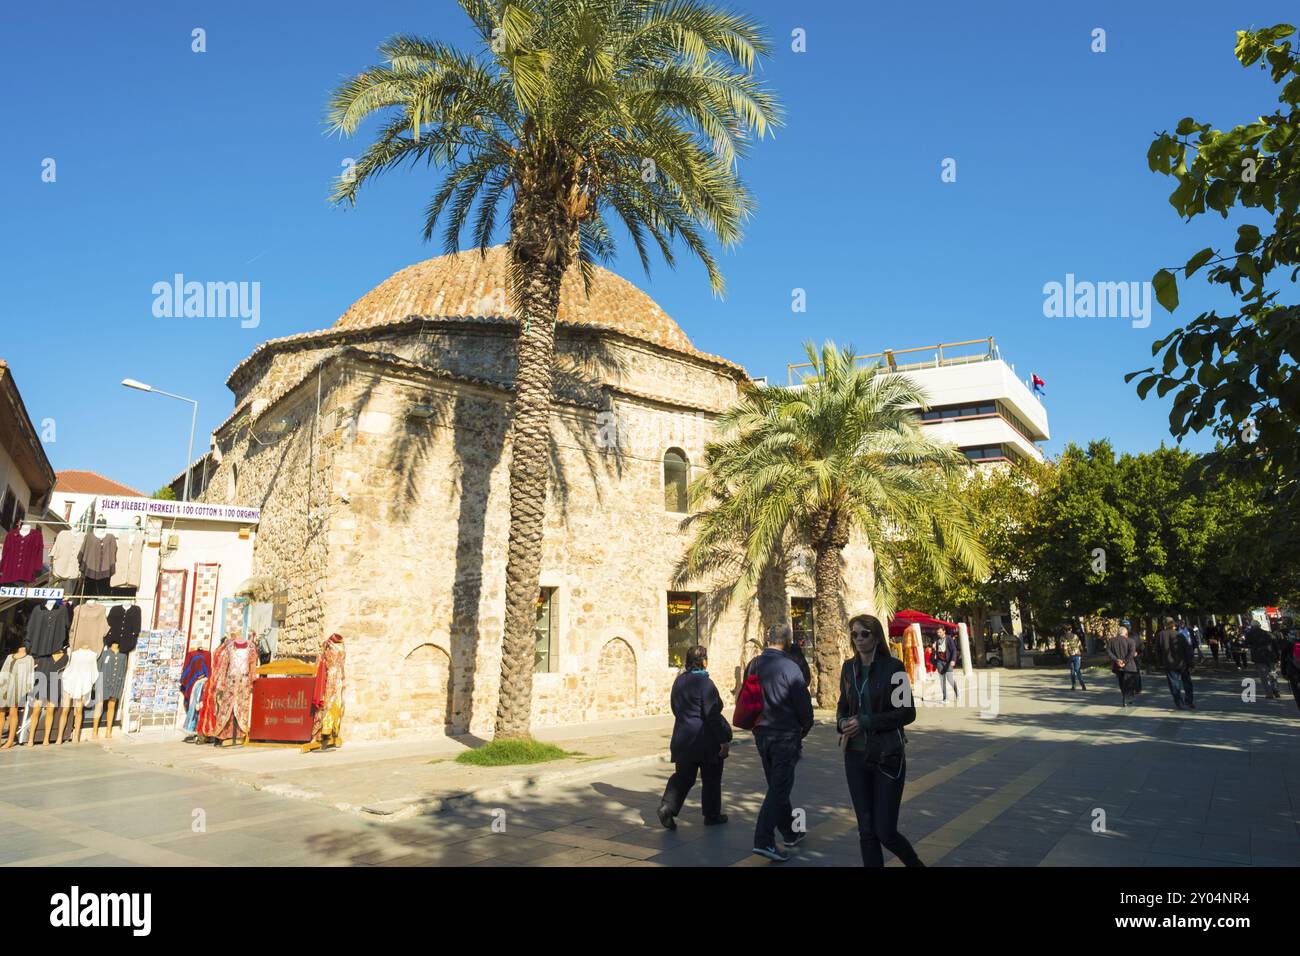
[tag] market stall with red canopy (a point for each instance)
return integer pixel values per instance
(899, 622)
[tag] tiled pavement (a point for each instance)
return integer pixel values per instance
(1216, 787)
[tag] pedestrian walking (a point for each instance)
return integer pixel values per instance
(1122, 651)
(1072, 648)
(1264, 655)
(699, 745)
(945, 662)
(1175, 652)
(786, 718)
(875, 705)
(1212, 638)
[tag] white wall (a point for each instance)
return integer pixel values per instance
(201, 542)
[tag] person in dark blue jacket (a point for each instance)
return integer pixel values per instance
(700, 742)
(778, 736)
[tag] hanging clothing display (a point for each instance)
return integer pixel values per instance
(23, 555)
(910, 644)
(112, 671)
(16, 679)
(327, 698)
(89, 625)
(81, 674)
(234, 669)
(194, 702)
(47, 684)
(65, 560)
(98, 556)
(130, 555)
(197, 666)
(123, 627)
(47, 631)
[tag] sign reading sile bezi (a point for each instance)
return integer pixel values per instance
(154, 508)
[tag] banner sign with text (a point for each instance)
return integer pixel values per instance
(121, 508)
(41, 594)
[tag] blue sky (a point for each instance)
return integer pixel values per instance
(215, 165)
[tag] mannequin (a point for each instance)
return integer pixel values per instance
(15, 684)
(112, 676)
(47, 688)
(327, 697)
(79, 680)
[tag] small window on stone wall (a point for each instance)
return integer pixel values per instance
(546, 660)
(683, 626)
(676, 480)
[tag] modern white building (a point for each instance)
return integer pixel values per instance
(976, 400)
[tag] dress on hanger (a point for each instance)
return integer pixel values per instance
(123, 627)
(89, 626)
(112, 670)
(16, 680)
(64, 560)
(47, 631)
(81, 675)
(234, 669)
(47, 685)
(98, 556)
(130, 555)
(22, 557)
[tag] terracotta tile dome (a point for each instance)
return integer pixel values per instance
(472, 284)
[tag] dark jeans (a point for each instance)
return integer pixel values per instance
(683, 778)
(779, 753)
(1175, 679)
(1187, 685)
(876, 798)
(1076, 671)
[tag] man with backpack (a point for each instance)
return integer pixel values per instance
(785, 718)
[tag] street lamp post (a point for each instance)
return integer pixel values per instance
(194, 415)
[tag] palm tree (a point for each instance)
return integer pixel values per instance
(577, 113)
(841, 454)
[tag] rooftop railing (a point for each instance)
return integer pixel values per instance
(939, 356)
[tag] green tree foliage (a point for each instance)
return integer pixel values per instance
(1236, 373)
(1003, 504)
(839, 456)
(165, 493)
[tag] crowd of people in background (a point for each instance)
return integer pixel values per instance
(1178, 646)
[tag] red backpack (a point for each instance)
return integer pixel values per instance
(749, 703)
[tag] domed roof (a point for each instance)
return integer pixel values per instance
(473, 284)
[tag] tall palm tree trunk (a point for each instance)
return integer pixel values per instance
(773, 601)
(832, 638)
(538, 298)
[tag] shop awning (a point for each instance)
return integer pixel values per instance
(902, 619)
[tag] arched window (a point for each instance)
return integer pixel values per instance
(676, 478)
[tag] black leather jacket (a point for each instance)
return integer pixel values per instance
(891, 707)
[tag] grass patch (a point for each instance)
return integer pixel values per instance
(502, 753)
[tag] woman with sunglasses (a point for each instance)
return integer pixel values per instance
(875, 705)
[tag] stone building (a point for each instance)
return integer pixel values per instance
(378, 451)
